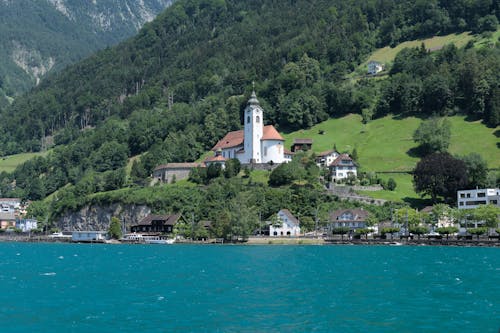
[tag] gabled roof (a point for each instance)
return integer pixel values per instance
(178, 166)
(218, 158)
(292, 219)
(232, 139)
(166, 219)
(325, 153)
(302, 141)
(270, 133)
(342, 157)
(357, 213)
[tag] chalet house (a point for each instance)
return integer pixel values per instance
(301, 144)
(7, 220)
(351, 218)
(375, 67)
(326, 158)
(157, 224)
(289, 225)
(165, 173)
(343, 167)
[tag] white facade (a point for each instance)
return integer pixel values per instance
(469, 199)
(253, 131)
(375, 67)
(343, 167)
(289, 225)
(27, 225)
(273, 150)
(88, 236)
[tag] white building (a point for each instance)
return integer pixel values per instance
(256, 143)
(88, 236)
(26, 225)
(468, 199)
(289, 225)
(375, 67)
(326, 158)
(343, 167)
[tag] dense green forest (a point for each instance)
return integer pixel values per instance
(172, 91)
(42, 36)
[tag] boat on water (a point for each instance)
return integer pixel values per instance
(146, 239)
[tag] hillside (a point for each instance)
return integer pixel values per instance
(169, 93)
(38, 37)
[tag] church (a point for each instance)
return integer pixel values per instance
(256, 143)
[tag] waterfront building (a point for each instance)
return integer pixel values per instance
(468, 199)
(288, 225)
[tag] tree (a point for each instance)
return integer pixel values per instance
(447, 231)
(419, 230)
(115, 230)
(363, 231)
(477, 231)
(440, 175)
(433, 135)
(388, 230)
(477, 170)
(341, 231)
(489, 214)
(391, 184)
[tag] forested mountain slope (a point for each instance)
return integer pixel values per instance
(172, 91)
(38, 36)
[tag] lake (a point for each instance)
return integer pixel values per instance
(229, 288)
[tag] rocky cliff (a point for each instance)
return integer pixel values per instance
(40, 36)
(99, 217)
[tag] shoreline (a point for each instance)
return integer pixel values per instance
(253, 241)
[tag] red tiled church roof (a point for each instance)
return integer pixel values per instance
(236, 138)
(270, 133)
(232, 139)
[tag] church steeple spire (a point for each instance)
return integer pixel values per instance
(253, 98)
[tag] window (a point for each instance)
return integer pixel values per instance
(248, 119)
(481, 195)
(257, 119)
(462, 195)
(265, 151)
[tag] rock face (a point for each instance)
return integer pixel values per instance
(41, 36)
(98, 217)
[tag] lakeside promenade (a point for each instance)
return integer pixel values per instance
(266, 240)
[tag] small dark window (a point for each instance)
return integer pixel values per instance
(248, 119)
(257, 119)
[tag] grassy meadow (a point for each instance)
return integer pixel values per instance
(386, 145)
(9, 163)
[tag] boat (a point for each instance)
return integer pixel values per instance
(158, 240)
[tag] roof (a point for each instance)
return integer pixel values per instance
(232, 139)
(270, 133)
(358, 214)
(166, 219)
(302, 141)
(290, 216)
(178, 166)
(342, 157)
(218, 158)
(324, 153)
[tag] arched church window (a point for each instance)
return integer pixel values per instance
(257, 119)
(248, 119)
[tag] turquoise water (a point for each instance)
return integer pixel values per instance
(189, 288)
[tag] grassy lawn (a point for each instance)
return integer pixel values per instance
(9, 163)
(386, 144)
(388, 53)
